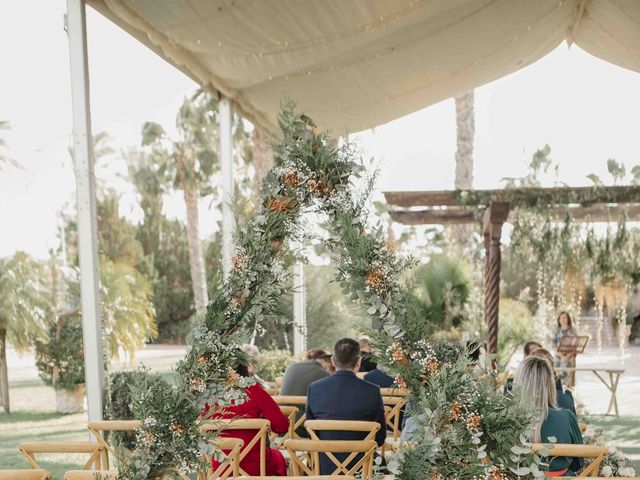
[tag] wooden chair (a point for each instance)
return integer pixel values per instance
(93, 449)
(91, 475)
(299, 401)
(277, 440)
(297, 449)
(394, 392)
(261, 426)
(98, 429)
(596, 452)
(315, 426)
(24, 474)
(229, 448)
(395, 404)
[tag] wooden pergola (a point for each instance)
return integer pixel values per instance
(491, 209)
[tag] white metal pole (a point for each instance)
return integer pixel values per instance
(299, 310)
(86, 203)
(226, 167)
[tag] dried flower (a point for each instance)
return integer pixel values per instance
(176, 429)
(496, 474)
(473, 423)
(318, 186)
(281, 205)
(432, 366)
(455, 411)
(238, 300)
(197, 385)
(201, 360)
(291, 179)
(148, 439)
(398, 354)
(400, 382)
(232, 377)
(375, 280)
(434, 475)
(238, 262)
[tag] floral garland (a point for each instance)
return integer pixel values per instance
(467, 428)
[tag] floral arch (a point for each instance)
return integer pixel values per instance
(466, 427)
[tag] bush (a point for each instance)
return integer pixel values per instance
(516, 327)
(60, 359)
(273, 363)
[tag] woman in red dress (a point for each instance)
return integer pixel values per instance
(258, 404)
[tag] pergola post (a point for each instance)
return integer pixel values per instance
(226, 168)
(494, 217)
(299, 310)
(86, 205)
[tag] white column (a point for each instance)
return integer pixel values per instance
(86, 203)
(299, 310)
(226, 168)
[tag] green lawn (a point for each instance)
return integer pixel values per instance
(623, 432)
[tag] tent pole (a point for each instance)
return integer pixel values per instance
(299, 310)
(86, 205)
(226, 167)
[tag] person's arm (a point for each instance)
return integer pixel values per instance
(576, 439)
(381, 435)
(271, 410)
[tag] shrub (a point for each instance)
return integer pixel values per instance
(273, 363)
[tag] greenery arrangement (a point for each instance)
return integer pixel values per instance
(313, 175)
(273, 363)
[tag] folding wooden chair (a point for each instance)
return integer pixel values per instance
(277, 440)
(91, 475)
(394, 392)
(98, 429)
(596, 452)
(330, 447)
(229, 448)
(315, 426)
(394, 413)
(261, 426)
(93, 449)
(25, 474)
(299, 401)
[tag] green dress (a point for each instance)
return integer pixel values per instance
(563, 425)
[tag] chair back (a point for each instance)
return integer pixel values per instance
(394, 392)
(24, 474)
(299, 401)
(99, 428)
(315, 426)
(596, 452)
(91, 475)
(277, 440)
(93, 449)
(395, 404)
(313, 448)
(229, 449)
(261, 437)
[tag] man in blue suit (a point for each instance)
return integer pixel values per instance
(343, 396)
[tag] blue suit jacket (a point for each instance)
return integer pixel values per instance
(343, 396)
(378, 377)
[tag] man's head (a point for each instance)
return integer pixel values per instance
(531, 347)
(346, 355)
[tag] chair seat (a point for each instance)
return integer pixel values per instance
(90, 474)
(60, 447)
(25, 474)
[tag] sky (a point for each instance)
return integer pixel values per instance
(584, 108)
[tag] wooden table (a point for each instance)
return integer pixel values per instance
(612, 384)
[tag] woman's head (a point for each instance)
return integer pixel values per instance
(534, 379)
(315, 353)
(325, 363)
(546, 355)
(531, 347)
(564, 320)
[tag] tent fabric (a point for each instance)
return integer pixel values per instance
(356, 64)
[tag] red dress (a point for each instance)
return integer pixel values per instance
(258, 404)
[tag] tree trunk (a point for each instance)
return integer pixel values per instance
(262, 157)
(4, 374)
(196, 257)
(465, 133)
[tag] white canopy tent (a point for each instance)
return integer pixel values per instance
(349, 64)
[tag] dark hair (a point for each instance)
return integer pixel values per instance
(473, 349)
(570, 324)
(527, 347)
(326, 357)
(315, 353)
(346, 353)
(242, 369)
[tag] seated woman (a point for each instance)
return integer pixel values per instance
(258, 404)
(534, 380)
(563, 394)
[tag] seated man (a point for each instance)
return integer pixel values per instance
(343, 396)
(298, 376)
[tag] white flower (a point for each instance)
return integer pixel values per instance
(626, 472)
(607, 471)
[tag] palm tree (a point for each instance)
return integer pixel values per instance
(465, 133)
(4, 125)
(190, 160)
(24, 307)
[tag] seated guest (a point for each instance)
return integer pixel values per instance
(258, 404)
(366, 352)
(534, 379)
(343, 396)
(563, 394)
(298, 376)
(254, 355)
(325, 362)
(378, 377)
(531, 347)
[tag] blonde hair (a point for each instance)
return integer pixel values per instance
(546, 355)
(537, 389)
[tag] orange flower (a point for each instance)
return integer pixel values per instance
(238, 262)
(400, 382)
(276, 245)
(432, 366)
(291, 179)
(474, 422)
(496, 474)
(398, 355)
(232, 377)
(455, 411)
(176, 429)
(280, 205)
(201, 360)
(318, 186)
(375, 280)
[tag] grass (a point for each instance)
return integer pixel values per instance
(623, 432)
